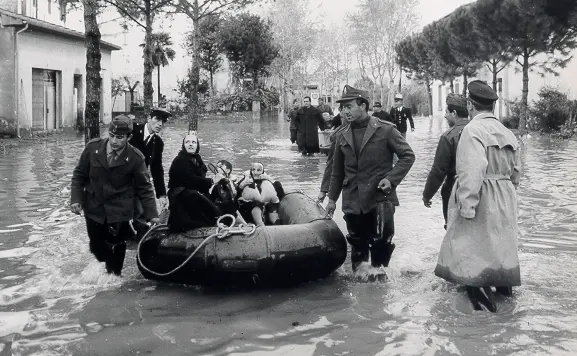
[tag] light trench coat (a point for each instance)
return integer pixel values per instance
(480, 245)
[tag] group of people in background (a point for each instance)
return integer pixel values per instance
(306, 120)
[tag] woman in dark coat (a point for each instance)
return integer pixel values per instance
(188, 189)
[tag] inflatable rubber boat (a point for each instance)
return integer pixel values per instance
(306, 246)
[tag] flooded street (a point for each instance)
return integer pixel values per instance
(56, 300)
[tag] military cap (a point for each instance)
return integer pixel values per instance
(457, 101)
(377, 104)
(350, 93)
(399, 96)
(480, 92)
(160, 114)
(120, 125)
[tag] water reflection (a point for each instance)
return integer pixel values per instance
(55, 300)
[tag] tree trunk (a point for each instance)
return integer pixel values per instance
(465, 82)
(429, 96)
(494, 63)
(400, 79)
(452, 85)
(148, 64)
(93, 80)
(211, 82)
(158, 84)
(525, 93)
(193, 105)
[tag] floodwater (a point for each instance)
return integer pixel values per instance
(56, 300)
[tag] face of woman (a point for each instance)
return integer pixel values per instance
(256, 170)
(190, 143)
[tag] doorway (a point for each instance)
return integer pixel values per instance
(44, 97)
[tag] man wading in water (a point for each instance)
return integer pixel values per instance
(109, 176)
(480, 247)
(363, 170)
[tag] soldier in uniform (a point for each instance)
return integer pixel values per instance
(147, 140)
(378, 112)
(444, 164)
(363, 171)
(400, 115)
(109, 176)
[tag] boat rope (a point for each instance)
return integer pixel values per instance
(222, 231)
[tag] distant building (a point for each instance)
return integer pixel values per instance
(42, 69)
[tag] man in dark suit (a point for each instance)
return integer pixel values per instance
(146, 139)
(381, 114)
(110, 174)
(363, 170)
(400, 115)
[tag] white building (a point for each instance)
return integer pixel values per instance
(42, 70)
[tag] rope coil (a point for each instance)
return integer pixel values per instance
(222, 231)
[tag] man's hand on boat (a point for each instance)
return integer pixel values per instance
(331, 207)
(321, 197)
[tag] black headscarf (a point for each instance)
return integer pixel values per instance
(194, 157)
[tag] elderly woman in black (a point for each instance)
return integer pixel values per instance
(188, 190)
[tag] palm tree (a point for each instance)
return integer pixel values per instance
(161, 53)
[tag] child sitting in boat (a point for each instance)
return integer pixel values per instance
(259, 196)
(223, 192)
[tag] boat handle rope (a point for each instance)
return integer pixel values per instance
(222, 231)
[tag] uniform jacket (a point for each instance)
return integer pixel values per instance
(152, 152)
(325, 184)
(444, 163)
(108, 193)
(400, 118)
(383, 115)
(480, 246)
(358, 177)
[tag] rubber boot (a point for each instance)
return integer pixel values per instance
(359, 250)
(482, 297)
(381, 245)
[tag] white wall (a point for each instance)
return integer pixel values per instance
(45, 51)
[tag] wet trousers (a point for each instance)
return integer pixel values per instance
(371, 232)
(108, 243)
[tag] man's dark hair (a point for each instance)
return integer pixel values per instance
(295, 101)
(360, 101)
(461, 112)
(481, 107)
(321, 99)
(307, 97)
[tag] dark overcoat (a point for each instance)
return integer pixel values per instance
(152, 152)
(308, 121)
(107, 193)
(358, 177)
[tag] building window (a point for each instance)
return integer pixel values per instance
(49, 7)
(23, 8)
